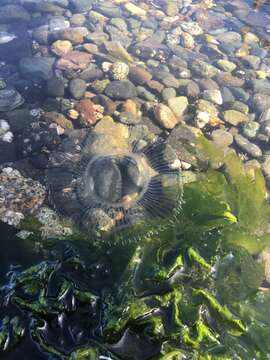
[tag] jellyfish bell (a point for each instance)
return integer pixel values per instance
(115, 192)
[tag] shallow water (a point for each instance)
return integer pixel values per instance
(134, 155)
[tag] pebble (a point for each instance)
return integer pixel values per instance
(261, 86)
(61, 47)
(226, 65)
(168, 93)
(119, 70)
(251, 129)
(145, 94)
(214, 96)
(74, 60)
(252, 61)
(208, 107)
(121, 90)
(234, 117)
(37, 68)
(227, 79)
(59, 119)
(266, 166)
(165, 116)
(250, 148)
(86, 112)
(222, 138)
(77, 88)
(178, 105)
(204, 69)
(55, 87)
(239, 106)
(139, 76)
(10, 99)
(260, 102)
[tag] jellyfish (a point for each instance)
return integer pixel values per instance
(113, 190)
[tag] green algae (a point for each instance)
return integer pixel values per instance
(192, 289)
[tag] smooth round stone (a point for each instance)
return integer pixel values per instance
(170, 81)
(139, 76)
(214, 96)
(261, 86)
(10, 99)
(208, 107)
(192, 89)
(109, 10)
(55, 87)
(119, 23)
(266, 168)
(226, 65)
(208, 84)
(234, 117)
(259, 52)
(230, 38)
(165, 116)
(13, 13)
(90, 74)
(77, 19)
(250, 38)
(19, 119)
(204, 69)
(250, 129)
(145, 94)
(240, 106)
(61, 47)
(265, 128)
(178, 105)
(121, 90)
(222, 138)
(240, 94)
(252, 61)
(250, 148)
(77, 88)
(37, 68)
(260, 102)
(80, 5)
(265, 116)
(168, 93)
(227, 79)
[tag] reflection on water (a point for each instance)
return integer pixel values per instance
(121, 128)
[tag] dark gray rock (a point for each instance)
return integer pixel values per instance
(260, 102)
(19, 119)
(77, 88)
(121, 90)
(55, 87)
(109, 10)
(261, 86)
(13, 13)
(79, 6)
(250, 148)
(10, 99)
(91, 74)
(8, 152)
(37, 68)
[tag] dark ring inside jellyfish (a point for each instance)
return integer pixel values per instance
(108, 194)
(110, 179)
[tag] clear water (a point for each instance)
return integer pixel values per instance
(190, 250)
